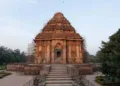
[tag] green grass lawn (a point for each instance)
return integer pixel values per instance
(2, 67)
(3, 74)
(101, 80)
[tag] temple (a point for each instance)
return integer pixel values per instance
(58, 43)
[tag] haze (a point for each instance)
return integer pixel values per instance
(22, 20)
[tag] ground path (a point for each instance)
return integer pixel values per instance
(14, 80)
(91, 78)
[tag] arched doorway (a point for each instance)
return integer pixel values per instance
(58, 53)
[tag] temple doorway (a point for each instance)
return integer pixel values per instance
(58, 53)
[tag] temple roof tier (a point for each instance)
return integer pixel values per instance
(58, 27)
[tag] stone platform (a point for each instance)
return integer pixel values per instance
(55, 74)
(34, 69)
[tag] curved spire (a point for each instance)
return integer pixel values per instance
(58, 15)
(58, 21)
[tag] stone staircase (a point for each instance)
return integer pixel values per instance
(58, 76)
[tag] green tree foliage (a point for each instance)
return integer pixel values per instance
(93, 58)
(87, 57)
(99, 56)
(109, 56)
(10, 56)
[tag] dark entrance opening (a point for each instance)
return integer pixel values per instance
(58, 54)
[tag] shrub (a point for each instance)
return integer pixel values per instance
(2, 67)
(99, 80)
(105, 82)
(3, 74)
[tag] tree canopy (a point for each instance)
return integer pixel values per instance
(109, 56)
(11, 56)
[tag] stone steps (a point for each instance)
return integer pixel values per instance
(55, 74)
(59, 85)
(59, 69)
(58, 76)
(59, 79)
(58, 73)
(59, 82)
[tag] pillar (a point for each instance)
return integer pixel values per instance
(78, 60)
(52, 52)
(64, 51)
(69, 53)
(37, 53)
(48, 52)
(81, 53)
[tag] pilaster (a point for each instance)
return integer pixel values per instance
(64, 52)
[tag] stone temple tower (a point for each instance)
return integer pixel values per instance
(58, 43)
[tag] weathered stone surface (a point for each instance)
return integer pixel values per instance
(15, 80)
(59, 43)
(58, 76)
(28, 69)
(84, 69)
(16, 67)
(31, 70)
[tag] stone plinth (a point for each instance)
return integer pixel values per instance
(27, 69)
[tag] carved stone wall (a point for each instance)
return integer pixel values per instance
(74, 52)
(58, 42)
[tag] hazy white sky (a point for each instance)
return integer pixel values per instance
(21, 20)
